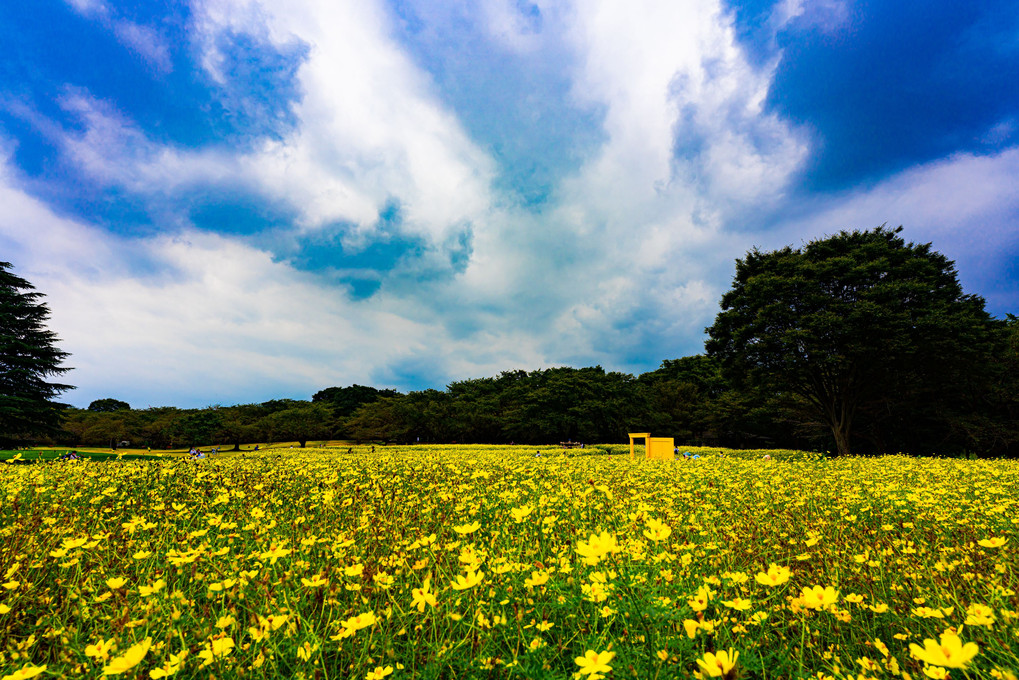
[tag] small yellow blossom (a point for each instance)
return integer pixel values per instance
(423, 596)
(593, 664)
(217, 649)
(468, 580)
(153, 589)
(818, 597)
(950, 652)
(100, 650)
(775, 576)
(657, 531)
(738, 603)
(26, 671)
(718, 665)
(129, 659)
(993, 542)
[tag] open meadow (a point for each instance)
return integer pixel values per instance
(490, 561)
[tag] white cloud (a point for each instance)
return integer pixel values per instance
(197, 318)
(642, 228)
(966, 206)
(144, 41)
(626, 260)
(370, 128)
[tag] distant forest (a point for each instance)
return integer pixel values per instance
(687, 398)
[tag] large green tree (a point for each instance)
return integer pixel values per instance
(300, 422)
(346, 400)
(108, 406)
(29, 359)
(851, 327)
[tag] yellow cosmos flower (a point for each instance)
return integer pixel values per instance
(274, 554)
(468, 580)
(465, 529)
(379, 673)
(928, 613)
(100, 650)
(153, 589)
(993, 542)
(738, 603)
(129, 659)
(775, 576)
(315, 581)
(115, 583)
(354, 570)
(718, 665)
(818, 597)
(597, 547)
(593, 663)
(520, 514)
(360, 621)
(305, 651)
(273, 621)
(423, 596)
(4, 609)
(172, 665)
(538, 578)
(949, 653)
(979, 615)
(26, 671)
(217, 649)
(142, 554)
(699, 602)
(657, 530)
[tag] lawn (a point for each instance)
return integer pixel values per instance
(492, 561)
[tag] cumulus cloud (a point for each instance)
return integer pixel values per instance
(198, 318)
(616, 268)
(688, 149)
(370, 128)
(621, 264)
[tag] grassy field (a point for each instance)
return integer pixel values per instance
(471, 561)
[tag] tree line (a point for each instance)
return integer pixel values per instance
(858, 342)
(689, 398)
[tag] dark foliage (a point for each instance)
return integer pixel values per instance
(860, 333)
(29, 357)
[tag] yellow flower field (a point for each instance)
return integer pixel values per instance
(473, 561)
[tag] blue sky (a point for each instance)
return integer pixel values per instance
(227, 201)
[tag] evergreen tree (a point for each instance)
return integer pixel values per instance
(28, 358)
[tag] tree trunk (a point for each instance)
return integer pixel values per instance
(841, 433)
